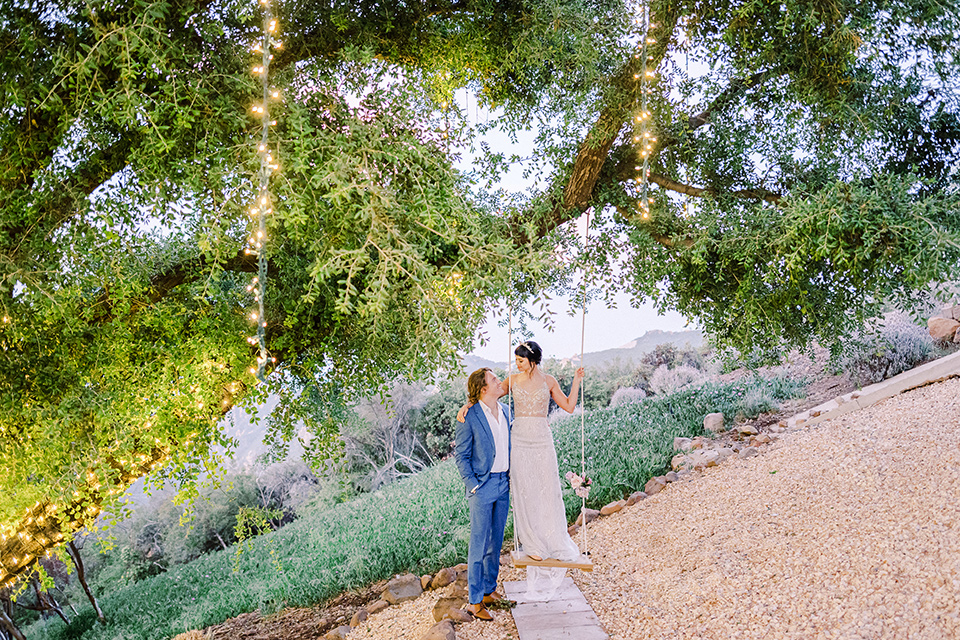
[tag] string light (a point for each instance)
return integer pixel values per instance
(33, 543)
(268, 165)
(642, 135)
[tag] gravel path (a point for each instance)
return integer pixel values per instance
(849, 530)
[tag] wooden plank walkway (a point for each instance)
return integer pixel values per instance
(566, 616)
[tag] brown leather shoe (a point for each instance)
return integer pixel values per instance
(492, 598)
(478, 611)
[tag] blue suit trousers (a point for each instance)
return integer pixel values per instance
(488, 518)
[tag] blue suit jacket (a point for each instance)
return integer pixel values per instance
(475, 447)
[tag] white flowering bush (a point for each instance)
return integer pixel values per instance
(665, 381)
(627, 395)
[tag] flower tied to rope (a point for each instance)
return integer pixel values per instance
(581, 486)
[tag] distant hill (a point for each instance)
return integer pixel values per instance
(636, 348)
(472, 363)
(630, 352)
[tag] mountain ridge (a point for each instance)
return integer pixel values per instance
(632, 351)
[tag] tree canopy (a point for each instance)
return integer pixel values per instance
(804, 172)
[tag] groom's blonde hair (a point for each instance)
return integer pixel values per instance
(476, 383)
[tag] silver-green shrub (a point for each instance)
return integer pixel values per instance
(895, 346)
(627, 395)
(665, 381)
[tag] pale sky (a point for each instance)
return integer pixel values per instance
(605, 328)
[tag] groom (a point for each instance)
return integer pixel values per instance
(483, 457)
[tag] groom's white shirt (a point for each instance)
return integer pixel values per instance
(501, 437)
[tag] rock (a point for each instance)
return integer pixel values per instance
(942, 329)
(679, 461)
(748, 452)
(377, 607)
(441, 631)
(682, 444)
(458, 591)
(723, 453)
(425, 581)
(613, 507)
(462, 578)
(591, 514)
(359, 616)
(951, 311)
(402, 588)
(762, 439)
(747, 430)
(461, 567)
(713, 422)
(573, 530)
(671, 476)
(443, 578)
(776, 429)
(443, 606)
(704, 458)
(459, 615)
(700, 442)
(340, 633)
(686, 473)
(635, 497)
(654, 485)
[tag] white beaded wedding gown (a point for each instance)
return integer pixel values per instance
(538, 513)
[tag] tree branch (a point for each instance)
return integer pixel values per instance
(758, 193)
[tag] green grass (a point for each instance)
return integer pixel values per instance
(416, 525)
(628, 445)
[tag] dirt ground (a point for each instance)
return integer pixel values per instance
(296, 624)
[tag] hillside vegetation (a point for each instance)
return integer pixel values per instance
(419, 524)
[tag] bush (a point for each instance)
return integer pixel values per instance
(896, 346)
(435, 421)
(665, 381)
(627, 395)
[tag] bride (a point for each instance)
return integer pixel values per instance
(538, 512)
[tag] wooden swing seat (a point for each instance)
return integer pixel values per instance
(521, 560)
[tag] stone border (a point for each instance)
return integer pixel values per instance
(935, 371)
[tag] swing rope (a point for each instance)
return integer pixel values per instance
(516, 543)
(583, 414)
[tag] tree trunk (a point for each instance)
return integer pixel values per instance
(78, 563)
(6, 622)
(222, 543)
(46, 602)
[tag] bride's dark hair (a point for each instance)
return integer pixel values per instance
(529, 350)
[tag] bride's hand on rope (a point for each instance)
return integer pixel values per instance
(462, 414)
